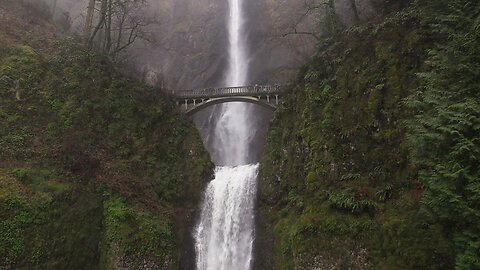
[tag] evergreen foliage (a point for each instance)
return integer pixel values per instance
(444, 141)
(380, 144)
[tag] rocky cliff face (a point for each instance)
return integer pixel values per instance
(283, 34)
(193, 38)
(188, 45)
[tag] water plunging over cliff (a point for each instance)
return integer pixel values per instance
(224, 235)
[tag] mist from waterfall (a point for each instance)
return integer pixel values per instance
(224, 236)
(233, 132)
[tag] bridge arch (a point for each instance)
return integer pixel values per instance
(220, 100)
(192, 101)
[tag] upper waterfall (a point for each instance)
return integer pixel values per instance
(238, 58)
(233, 131)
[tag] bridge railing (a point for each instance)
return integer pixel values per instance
(229, 91)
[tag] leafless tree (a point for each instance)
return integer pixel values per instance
(89, 20)
(315, 9)
(353, 7)
(54, 6)
(119, 23)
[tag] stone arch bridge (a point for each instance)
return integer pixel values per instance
(192, 101)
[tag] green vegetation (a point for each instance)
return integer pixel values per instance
(46, 223)
(138, 231)
(96, 169)
(444, 141)
(380, 147)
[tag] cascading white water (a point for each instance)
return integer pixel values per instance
(225, 233)
(238, 63)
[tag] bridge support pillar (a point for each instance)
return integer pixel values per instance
(276, 99)
(186, 104)
(268, 99)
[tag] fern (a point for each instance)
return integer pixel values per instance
(345, 200)
(444, 138)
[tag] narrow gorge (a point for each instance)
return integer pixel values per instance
(240, 134)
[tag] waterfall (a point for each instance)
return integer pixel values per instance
(224, 235)
(238, 63)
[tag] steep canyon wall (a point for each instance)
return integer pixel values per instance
(188, 41)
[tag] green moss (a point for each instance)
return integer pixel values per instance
(42, 221)
(346, 182)
(137, 231)
(80, 132)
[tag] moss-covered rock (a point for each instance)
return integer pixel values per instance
(339, 188)
(47, 222)
(97, 171)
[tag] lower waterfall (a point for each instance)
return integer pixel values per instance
(225, 233)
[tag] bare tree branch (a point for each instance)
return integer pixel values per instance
(119, 24)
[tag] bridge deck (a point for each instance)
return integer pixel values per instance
(229, 92)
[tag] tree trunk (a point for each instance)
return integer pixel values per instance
(108, 32)
(54, 7)
(101, 22)
(18, 90)
(120, 31)
(333, 21)
(355, 10)
(89, 20)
